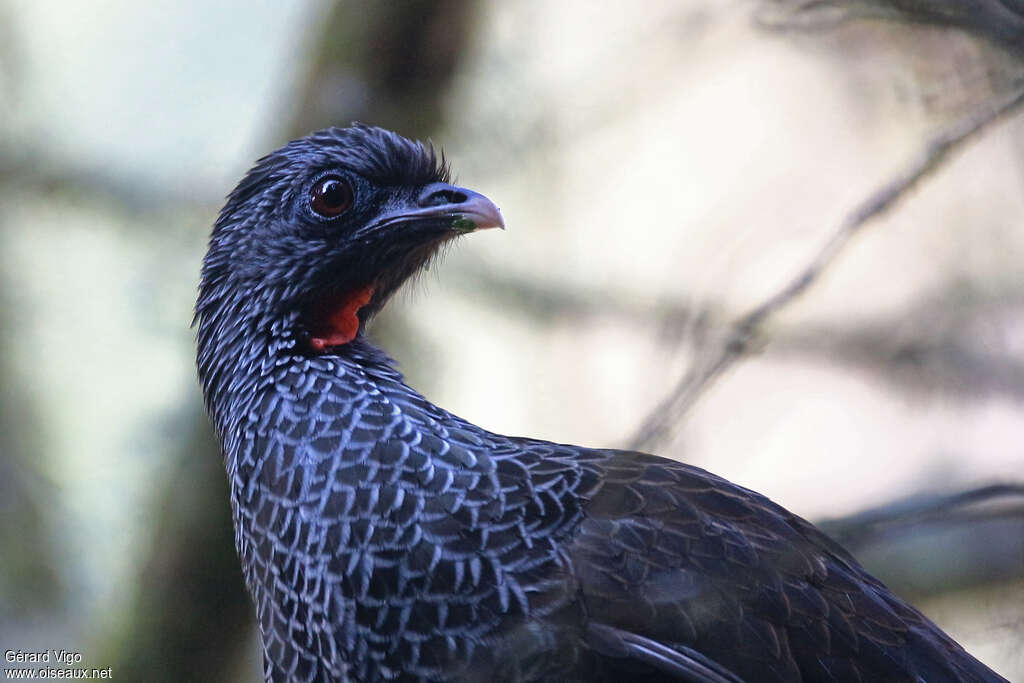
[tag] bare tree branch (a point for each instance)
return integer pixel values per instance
(710, 364)
(949, 344)
(930, 347)
(998, 21)
(906, 542)
(1002, 500)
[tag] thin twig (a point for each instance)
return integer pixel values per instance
(708, 366)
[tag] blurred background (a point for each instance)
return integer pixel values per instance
(662, 167)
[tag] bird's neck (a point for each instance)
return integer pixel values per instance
(237, 349)
(248, 363)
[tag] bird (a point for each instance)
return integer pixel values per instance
(383, 538)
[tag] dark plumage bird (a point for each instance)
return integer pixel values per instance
(384, 538)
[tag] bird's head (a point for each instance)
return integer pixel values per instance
(320, 233)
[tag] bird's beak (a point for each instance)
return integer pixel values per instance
(448, 206)
(476, 212)
(469, 210)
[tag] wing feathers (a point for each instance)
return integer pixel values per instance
(679, 661)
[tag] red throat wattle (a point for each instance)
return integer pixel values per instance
(340, 324)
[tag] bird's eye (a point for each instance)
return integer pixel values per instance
(330, 197)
